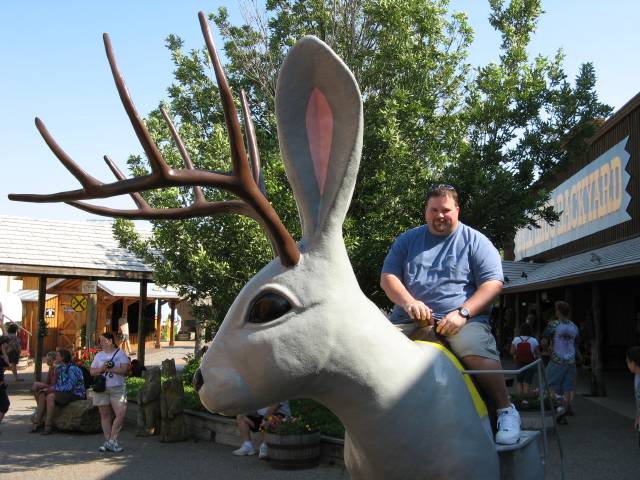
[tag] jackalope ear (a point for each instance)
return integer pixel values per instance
(319, 112)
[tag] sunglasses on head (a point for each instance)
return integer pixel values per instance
(439, 186)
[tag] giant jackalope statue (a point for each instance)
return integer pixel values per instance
(302, 327)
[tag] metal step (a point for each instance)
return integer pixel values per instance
(522, 460)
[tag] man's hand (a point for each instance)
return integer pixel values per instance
(419, 313)
(451, 324)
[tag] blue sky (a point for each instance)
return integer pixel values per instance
(53, 66)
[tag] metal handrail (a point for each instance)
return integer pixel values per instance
(542, 379)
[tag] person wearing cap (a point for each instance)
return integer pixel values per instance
(447, 274)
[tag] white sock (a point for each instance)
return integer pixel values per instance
(247, 443)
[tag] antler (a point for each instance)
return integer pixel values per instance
(241, 181)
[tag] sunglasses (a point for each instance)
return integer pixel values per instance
(440, 186)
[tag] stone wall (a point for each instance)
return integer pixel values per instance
(223, 430)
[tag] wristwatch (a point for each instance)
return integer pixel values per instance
(464, 312)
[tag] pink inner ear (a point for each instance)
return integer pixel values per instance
(319, 121)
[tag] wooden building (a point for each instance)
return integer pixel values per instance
(66, 311)
(591, 257)
(80, 253)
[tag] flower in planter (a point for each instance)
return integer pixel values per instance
(287, 426)
(84, 357)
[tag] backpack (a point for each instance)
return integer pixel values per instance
(86, 376)
(14, 344)
(524, 352)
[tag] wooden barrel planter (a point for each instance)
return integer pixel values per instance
(293, 452)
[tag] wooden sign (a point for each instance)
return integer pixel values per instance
(89, 287)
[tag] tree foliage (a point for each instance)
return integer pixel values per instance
(497, 132)
(524, 120)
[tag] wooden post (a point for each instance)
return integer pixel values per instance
(92, 319)
(42, 297)
(536, 325)
(172, 304)
(142, 331)
(598, 388)
(516, 320)
(158, 322)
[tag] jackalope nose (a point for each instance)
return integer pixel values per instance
(198, 381)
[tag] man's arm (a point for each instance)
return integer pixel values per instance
(478, 302)
(398, 294)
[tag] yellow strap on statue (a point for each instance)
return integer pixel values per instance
(481, 407)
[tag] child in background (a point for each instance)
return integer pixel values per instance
(633, 363)
(525, 349)
(13, 350)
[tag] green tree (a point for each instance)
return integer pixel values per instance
(408, 57)
(496, 133)
(524, 121)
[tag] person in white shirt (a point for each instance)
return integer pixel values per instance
(525, 349)
(112, 403)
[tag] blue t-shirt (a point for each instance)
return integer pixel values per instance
(443, 272)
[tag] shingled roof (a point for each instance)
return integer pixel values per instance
(69, 249)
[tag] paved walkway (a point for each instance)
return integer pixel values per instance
(75, 456)
(599, 443)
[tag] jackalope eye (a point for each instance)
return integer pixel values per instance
(267, 307)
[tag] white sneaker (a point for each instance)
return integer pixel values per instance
(264, 452)
(114, 446)
(245, 449)
(508, 426)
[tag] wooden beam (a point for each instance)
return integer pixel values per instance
(68, 272)
(172, 304)
(92, 318)
(142, 331)
(41, 325)
(158, 322)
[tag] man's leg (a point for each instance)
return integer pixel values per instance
(245, 424)
(14, 369)
(476, 347)
(493, 385)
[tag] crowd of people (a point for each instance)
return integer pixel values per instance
(65, 382)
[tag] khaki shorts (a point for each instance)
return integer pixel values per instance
(111, 393)
(474, 338)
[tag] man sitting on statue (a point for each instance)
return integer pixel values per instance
(448, 274)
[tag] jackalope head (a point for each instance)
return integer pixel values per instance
(319, 113)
